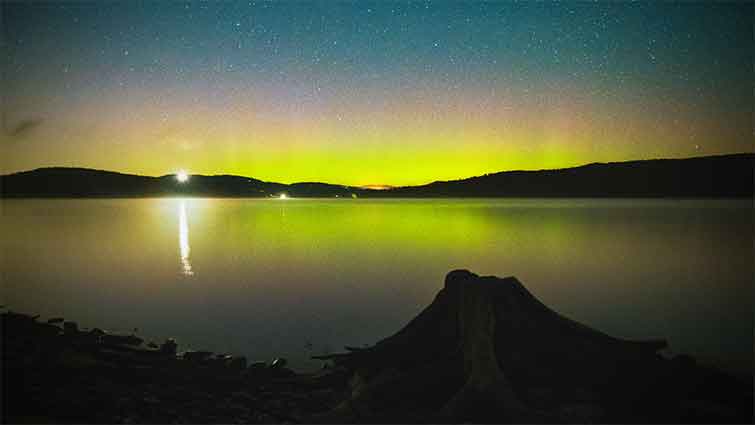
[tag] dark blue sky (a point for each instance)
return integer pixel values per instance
(469, 87)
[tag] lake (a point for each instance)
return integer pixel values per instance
(296, 277)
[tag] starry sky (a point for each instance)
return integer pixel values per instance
(371, 92)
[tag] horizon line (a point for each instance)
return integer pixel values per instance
(361, 186)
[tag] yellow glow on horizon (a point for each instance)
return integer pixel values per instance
(406, 141)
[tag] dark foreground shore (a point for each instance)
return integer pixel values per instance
(58, 373)
(485, 350)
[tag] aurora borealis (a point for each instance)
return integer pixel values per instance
(371, 92)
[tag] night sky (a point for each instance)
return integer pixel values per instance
(371, 92)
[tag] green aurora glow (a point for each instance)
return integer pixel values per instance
(371, 92)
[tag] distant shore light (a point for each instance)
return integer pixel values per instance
(182, 176)
(282, 196)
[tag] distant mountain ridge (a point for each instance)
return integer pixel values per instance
(702, 177)
(84, 182)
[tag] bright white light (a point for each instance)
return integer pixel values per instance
(283, 196)
(183, 239)
(182, 176)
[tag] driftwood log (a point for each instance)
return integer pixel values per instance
(486, 350)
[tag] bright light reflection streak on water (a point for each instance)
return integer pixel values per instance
(183, 239)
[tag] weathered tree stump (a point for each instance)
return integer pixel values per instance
(486, 350)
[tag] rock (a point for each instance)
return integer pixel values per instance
(197, 356)
(169, 347)
(278, 363)
(222, 359)
(258, 370)
(111, 339)
(238, 363)
(97, 332)
(95, 335)
(283, 372)
(70, 328)
(262, 371)
(47, 330)
(257, 366)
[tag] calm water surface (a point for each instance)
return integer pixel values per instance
(299, 277)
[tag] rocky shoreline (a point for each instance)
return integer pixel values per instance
(54, 372)
(484, 351)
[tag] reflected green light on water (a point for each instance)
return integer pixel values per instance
(271, 277)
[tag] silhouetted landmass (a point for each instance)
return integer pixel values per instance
(712, 176)
(484, 351)
(82, 182)
(704, 177)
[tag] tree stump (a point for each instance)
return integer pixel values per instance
(486, 350)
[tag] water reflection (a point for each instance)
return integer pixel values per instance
(275, 274)
(183, 239)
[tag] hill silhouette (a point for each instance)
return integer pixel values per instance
(702, 177)
(712, 176)
(83, 182)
